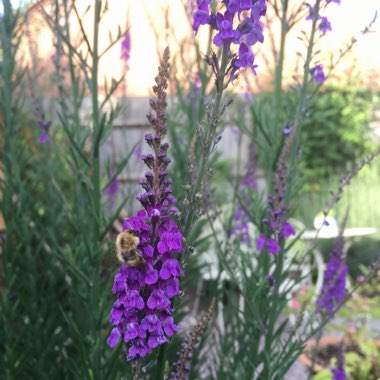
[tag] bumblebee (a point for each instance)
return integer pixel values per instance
(126, 249)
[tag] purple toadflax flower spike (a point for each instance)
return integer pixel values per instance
(334, 285)
(142, 313)
(278, 228)
(339, 372)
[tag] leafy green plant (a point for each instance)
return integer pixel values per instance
(363, 364)
(336, 131)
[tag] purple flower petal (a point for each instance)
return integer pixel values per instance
(272, 246)
(114, 338)
(260, 242)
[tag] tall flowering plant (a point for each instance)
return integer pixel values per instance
(142, 313)
(239, 24)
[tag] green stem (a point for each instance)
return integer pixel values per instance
(309, 53)
(95, 125)
(209, 139)
(96, 191)
(280, 66)
(160, 363)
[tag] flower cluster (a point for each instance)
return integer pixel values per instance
(324, 26)
(239, 24)
(44, 125)
(271, 243)
(277, 225)
(181, 367)
(142, 313)
(334, 283)
(339, 372)
(126, 47)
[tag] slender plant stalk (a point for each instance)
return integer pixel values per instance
(209, 140)
(280, 66)
(95, 122)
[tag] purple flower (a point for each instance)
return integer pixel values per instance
(311, 12)
(334, 284)
(158, 300)
(325, 25)
(202, 15)
(287, 130)
(131, 332)
(271, 279)
(226, 33)
(138, 349)
(287, 230)
(44, 137)
(126, 47)
(259, 9)
(245, 59)
(318, 73)
(170, 327)
(272, 246)
(270, 243)
(339, 372)
(44, 126)
(170, 268)
(247, 31)
(277, 227)
(255, 34)
(151, 323)
(142, 313)
(172, 288)
(260, 242)
(114, 337)
(112, 188)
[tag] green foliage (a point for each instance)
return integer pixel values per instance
(336, 130)
(362, 365)
(362, 253)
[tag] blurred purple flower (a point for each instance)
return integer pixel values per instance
(287, 130)
(334, 284)
(270, 243)
(126, 47)
(318, 73)
(44, 125)
(324, 25)
(112, 188)
(339, 372)
(202, 15)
